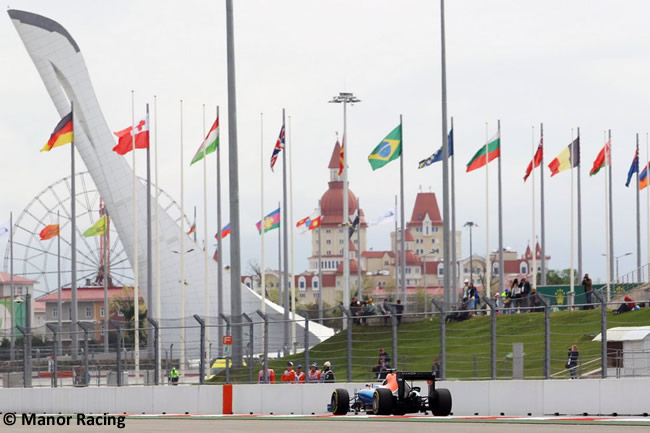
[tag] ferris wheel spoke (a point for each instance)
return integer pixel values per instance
(66, 211)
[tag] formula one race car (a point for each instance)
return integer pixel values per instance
(395, 396)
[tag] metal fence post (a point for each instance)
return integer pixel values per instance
(250, 346)
(55, 347)
(349, 341)
(118, 352)
(547, 335)
(86, 329)
(443, 340)
(156, 355)
(27, 359)
(228, 357)
(493, 337)
(603, 332)
(265, 364)
(202, 349)
(393, 321)
(306, 343)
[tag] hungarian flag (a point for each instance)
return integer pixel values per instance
(341, 157)
(49, 232)
(568, 158)
(279, 145)
(97, 229)
(489, 152)
(537, 159)
(62, 134)
(643, 178)
(314, 223)
(271, 221)
(125, 137)
(634, 168)
(389, 149)
(224, 232)
(210, 143)
(602, 159)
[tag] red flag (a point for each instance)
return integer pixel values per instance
(537, 160)
(314, 223)
(341, 158)
(302, 221)
(49, 232)
(125, 137)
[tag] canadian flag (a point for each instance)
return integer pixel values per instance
(125, 137)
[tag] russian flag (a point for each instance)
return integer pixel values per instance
(224, 232)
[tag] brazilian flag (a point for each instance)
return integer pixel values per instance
(389, 149)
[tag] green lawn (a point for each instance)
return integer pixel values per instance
(468, 345)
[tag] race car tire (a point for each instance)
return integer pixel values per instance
(440, 402)
(382, 401)
(340, 401)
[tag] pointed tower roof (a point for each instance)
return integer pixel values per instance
(425, 204)
(334, 160)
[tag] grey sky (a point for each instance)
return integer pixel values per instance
(564, 63)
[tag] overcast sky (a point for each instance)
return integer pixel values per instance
(565, 63)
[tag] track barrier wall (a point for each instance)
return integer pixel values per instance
(489, 398)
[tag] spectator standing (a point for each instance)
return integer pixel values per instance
(525, 293)
(355, 310)
(588, 287)
(270, 375)
(435, 369)
(388, 310)
(472, 297)
(572, 362)
(384, 357)
(300, 375)
(327, 376)
(289, 374)
(399, 310)
(515, 295)
(313, 375)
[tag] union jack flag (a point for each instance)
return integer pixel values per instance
(279, 145)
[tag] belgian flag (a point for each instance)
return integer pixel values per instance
(62, 134)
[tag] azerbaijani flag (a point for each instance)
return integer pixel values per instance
(493, 150)
(389, 149)
(643, 178)
(62, 134)
(97, 229)
(602, 159)
(271, 221)
(568, 158)
(210, 143)
(224, 232)
(49, 232)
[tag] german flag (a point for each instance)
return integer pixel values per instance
(62, 134)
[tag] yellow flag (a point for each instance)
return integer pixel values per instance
(97, 229)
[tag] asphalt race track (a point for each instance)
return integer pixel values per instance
(358, 424)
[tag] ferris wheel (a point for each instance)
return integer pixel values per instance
(37, 260)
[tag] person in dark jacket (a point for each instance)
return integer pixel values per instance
(525, 293)
(327, 374)
(588, 287)
(572, 362)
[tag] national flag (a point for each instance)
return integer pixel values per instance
(97, 229)
(215, 257)
(355, 223)
(602, 159)
(279, 145)
(302, 221)
(271, 221)
(4, 228)
(437, 155)
(643, 178)
(537, 159)
(314, 222)
(192, 229)
(62, 134)
(224, 232)
(125, 137)
(634, 168)
(341, 157)
(388, 216)
(210, 143)
(49, 232)
(568, 158)
(493, 150)
(389, 149)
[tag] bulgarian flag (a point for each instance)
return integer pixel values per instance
(210, 143)
(602, 160)
(491, 151)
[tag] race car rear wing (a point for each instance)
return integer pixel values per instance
(415, 375)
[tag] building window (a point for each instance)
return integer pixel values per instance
(408, 270)
(441, 270)
(329, 252)
(417, 270)
(89, 312)
(340, 230)
(328, 242)
(302, 283)
(19, 290)
(101, 312)
(524, 269)
(55, 312)
(314, 283)
(341, 241)
(341, 252)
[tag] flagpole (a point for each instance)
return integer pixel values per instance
(607, 222)
(571, 276)
(580, 274)
(136, 293)
(206, 288)
(219, 243)
(541, 193)
(454, 257)
(73, 241)
(12, 353)
(59, 302)
(359, 291)
(401, 198)
(501, 283)
(488, 262)
(182, 253)
(292, 282)
(158, 314)
(262, 276)
(396, 260)
(280, 275)
(647, 190)
(320, 273)
(285, 250)
(533, 241)
(445, 162)
(194, 221)
(346, 216)
(105, 280)
(638, 214)
(149, 247)
(611, 207)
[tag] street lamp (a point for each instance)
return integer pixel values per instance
(345, 98)
(471, 225)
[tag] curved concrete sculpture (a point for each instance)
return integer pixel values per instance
(60, 63)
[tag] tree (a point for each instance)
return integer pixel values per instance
(123, 303)
(560, 277)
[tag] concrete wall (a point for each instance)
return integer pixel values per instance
(519, 397)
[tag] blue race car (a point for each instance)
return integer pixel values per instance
(396, 396)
